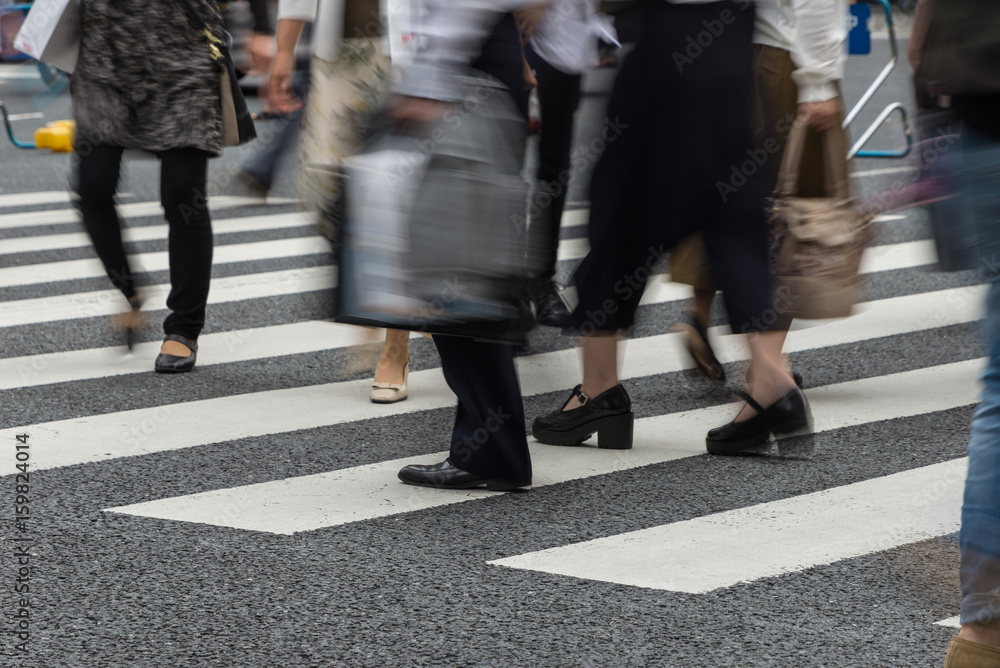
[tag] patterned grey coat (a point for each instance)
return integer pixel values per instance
(145, 78)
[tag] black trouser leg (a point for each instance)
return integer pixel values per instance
(97, 181)
(183, 173)
(558, 98)
(489, 436)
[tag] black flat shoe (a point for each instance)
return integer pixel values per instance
(788, 416)
(609, 415)
(172, 363)
(448, 476)
(550, 309)
(701, 350)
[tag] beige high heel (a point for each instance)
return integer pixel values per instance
(390, 393)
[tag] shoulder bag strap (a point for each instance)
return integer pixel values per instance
(213, 42)
(791, 161)
(835, 167)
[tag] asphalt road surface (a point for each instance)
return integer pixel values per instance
(248, 514)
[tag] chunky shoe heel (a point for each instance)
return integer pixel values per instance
(615, 433)
(792, 415)
(609, 415)
(795, 436)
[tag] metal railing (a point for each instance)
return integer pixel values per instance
(855, 150)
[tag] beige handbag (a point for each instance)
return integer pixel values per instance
(817, 242)
(342, 95)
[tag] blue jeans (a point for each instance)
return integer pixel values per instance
(980, 534)
(284, 132)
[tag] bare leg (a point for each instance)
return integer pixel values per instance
(988, 634)
(395, 354)
(770, 380)
(600, 365)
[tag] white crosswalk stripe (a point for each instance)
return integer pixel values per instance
(40, 198)
(786, 536)
(367, 492)
(131, 210)
(887, 317)
(74, 270)
(155, 232)
(109, 302)
(803, 531)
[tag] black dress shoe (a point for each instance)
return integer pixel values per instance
(448, 476)
(172, 363)
(609, 415)
(788, 416)
(550, 309)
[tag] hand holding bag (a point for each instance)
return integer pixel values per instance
(817, 242)
(51, 33)
(237, 123)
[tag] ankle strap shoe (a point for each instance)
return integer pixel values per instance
(788, 416)
(609, 415)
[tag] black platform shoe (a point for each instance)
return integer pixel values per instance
(788, 416)
(172, 363)
(609, 415)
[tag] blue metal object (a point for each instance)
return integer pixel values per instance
(896, 106)
(859, 39)
(7, 118)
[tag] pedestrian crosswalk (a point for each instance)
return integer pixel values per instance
(47, 281)
(368, 492)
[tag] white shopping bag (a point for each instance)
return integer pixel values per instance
(51, 33)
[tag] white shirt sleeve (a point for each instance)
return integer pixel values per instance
(303, 10)
(818, 47)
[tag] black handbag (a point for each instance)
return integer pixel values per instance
(237, 123)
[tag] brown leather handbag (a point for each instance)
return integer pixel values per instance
(817, 242)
